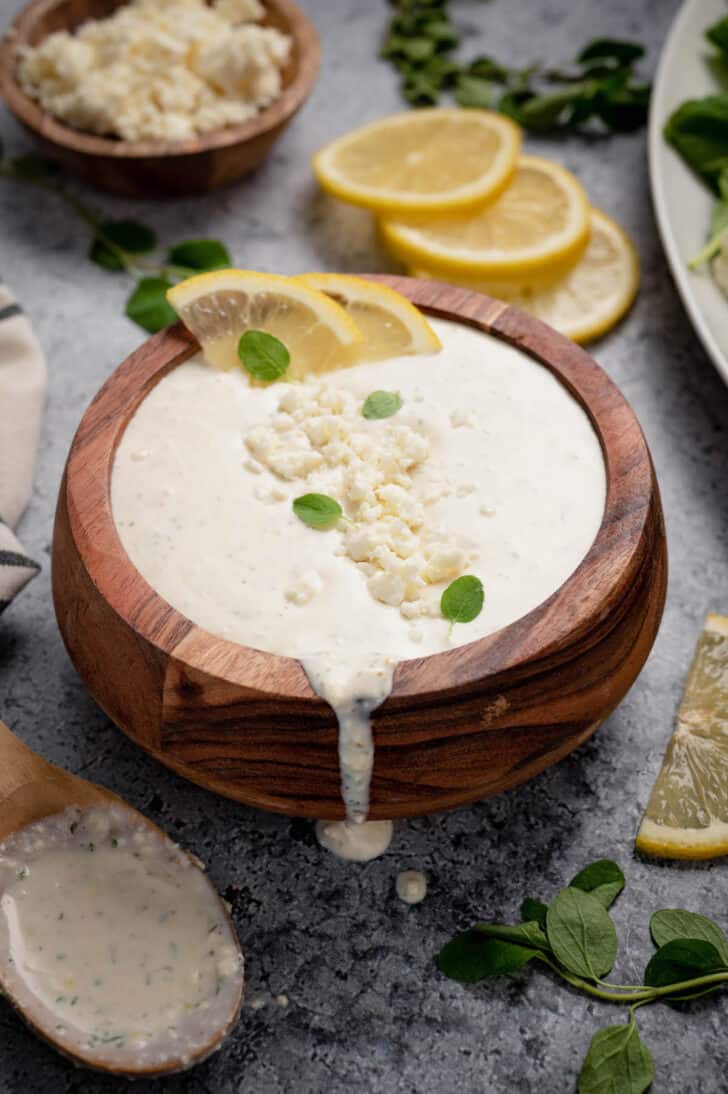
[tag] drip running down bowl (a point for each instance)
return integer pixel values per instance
(459, 725)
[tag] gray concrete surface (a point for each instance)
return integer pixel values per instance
(368, 1011)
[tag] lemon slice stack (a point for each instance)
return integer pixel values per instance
(456, 201)
(326, 321)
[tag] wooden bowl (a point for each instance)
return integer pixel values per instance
(143, 169)
(458, 725)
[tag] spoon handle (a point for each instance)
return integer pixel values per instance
(31, 787)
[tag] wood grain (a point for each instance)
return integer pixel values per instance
(144, 169)
(458, 725)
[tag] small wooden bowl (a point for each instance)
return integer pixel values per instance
(144, 169)
(459, 725)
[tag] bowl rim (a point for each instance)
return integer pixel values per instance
(537, 640)
(31, 114)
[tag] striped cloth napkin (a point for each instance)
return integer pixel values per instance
(22, 391)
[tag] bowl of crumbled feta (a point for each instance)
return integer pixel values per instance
(154, 97)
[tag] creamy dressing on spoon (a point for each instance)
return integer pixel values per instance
(114, 942)
(501, 465)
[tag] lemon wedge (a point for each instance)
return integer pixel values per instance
(390, 324)
(421, 161)
(687, 814)
(583, 299)
(218, 307)
(541, 218)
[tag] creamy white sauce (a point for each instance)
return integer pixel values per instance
(114, 942)
(411, 886)
(215, 533)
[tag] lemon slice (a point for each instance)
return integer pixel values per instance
(421, 161)
(218, 307)
(687, 814)
(584, 299)
(390, 324)
(542, 217)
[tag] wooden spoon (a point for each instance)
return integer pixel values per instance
(32, 788)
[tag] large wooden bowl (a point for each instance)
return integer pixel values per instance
(459, 725)
(143, 169)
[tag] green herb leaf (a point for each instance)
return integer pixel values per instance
(381, 404)
(473, 91)
(618, 1062)
(200, 254)
(534, 911)
(718, 224)
(148, 305)
(522, 934)
(603, 879)
(129, 235)
(581, 934)
(683, 959)
(472, 956)
(264, 356)
(317, 510)
(612, 49)
(718, 34)
(698, 130)
(672, 923)
(462, 600)
(489, 69)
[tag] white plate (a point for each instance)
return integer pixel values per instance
(681, 201)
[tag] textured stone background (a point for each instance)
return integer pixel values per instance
(367, 1009)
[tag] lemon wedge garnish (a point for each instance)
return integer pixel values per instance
(390, 324)
(218, 307)
(687, 814)
(541, 218)
(421, 161)
(582, 299)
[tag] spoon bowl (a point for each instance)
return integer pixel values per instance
(32, 789)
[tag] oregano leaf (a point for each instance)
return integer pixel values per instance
(671, 923)
(534, 911)
(618, 1062)
(263, 355)
(317, 510)
(473, 956)
(148, 305)
(522, 934)
(462, 600)
(683, 959)
(381, 404)
(129, 235)
(581, 934)
(603, 879)
(200, 254)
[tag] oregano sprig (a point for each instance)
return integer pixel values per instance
(575, 938)
(126, 246)
(598, 90)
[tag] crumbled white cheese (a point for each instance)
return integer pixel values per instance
(720, 265)
(159, 69)
(304, 588)
(378, 472)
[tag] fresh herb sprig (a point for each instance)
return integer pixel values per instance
(318, 511)
(381, 404)
(263, 355)
(599, 87)
(462, 601)
(126, 246)
(698, 130)
(575, 938)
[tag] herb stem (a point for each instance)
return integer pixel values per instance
(636, 994)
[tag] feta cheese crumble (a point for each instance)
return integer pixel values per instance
(378, 473)
(159, 69)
